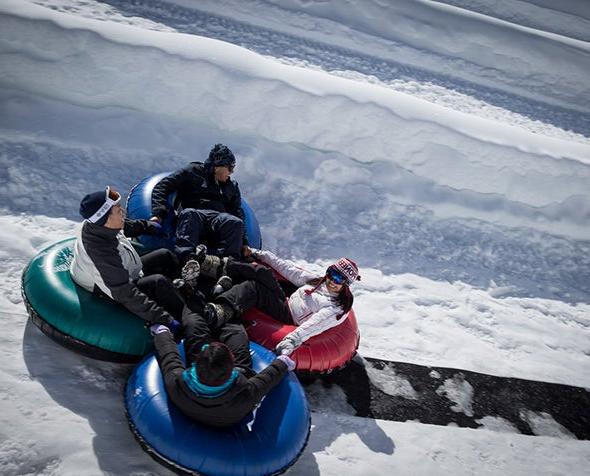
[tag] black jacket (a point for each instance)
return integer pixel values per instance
(106, 262)
(224, 410)
(196, 188)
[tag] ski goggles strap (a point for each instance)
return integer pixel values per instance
(112, 198)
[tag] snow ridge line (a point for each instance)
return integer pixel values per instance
(405, 78)
(545, 17)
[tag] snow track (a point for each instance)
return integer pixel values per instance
(457, 89)
(506, 211)
(545, 15)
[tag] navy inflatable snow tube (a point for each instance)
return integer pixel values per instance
(269, 445)
(139, 206)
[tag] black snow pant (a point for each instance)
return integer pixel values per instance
(160, 267)
(232, 334)
(224, 229)
(161, 261)
(256, 287)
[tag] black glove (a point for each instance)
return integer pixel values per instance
(174, 326)
(153, 228)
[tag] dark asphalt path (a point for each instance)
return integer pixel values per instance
(531, 407)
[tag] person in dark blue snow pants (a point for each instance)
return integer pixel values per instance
(210, 205)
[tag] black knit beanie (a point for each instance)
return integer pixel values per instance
(220, 156)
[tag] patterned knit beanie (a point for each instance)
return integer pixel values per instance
(347, 268)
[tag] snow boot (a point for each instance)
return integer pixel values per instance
(217, 314)
(223, 284)
(190, 273)
(200, 253)
(213, 266)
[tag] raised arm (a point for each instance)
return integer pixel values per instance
(319, 322)
(265, 381)
(289, 270)
(169, 360)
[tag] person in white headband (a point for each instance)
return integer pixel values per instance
(96, 207)
(106, 263)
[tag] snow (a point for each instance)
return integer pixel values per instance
(460, 392)
(543, 424)
(497, 424)
(444, 146)
(389, 382)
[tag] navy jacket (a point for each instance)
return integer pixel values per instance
(196, 188)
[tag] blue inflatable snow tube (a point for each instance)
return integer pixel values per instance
(139, 206)
(269, 445)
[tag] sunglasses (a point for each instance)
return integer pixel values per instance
(335, 276)
(230, 165)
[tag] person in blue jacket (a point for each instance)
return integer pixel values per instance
(209, 205)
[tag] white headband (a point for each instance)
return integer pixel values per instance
(106, 206)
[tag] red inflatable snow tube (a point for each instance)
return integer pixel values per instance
(323, 353)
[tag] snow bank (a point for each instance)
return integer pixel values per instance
(567, 18)
(430, 322)
(409, 149)
(476, 43)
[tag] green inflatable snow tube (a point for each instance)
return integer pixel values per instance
(76, 318)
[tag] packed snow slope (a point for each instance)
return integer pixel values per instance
(409, 176)
(445, 146)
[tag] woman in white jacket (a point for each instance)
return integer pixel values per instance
(318, 304)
